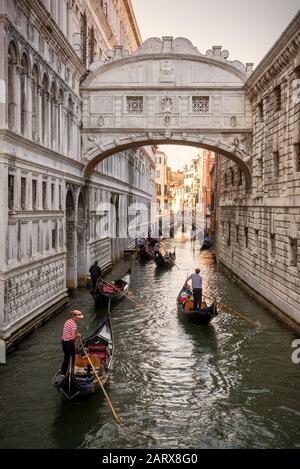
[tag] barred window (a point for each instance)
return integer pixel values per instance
(200, 104)
(134, 104)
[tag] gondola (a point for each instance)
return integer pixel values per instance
(113, 292)
(200, 316)
(147, 254)
(80, 383)
(207, 244)
(165, 262)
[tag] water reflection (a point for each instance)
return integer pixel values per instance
(229, 384)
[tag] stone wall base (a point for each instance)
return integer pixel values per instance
(270, 307)
(30, 326)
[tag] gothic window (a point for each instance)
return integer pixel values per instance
(45, 109)
(237, 234)
(84, 37)
(135, 104)
(53, 115)
(59, 119)
(35, 110)
(200, 104)
(12, 63)
(52, 195)
(54, 235)
(70, 118)
(24, 94)
(91, 45)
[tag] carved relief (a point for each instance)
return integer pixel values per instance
(166, 105)
(233, 121)
(26, 291)
(166, 71)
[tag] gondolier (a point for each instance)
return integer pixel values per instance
(95, 272)
(68, 337)
(197, 288)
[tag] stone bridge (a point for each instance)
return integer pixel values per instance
(167, 92)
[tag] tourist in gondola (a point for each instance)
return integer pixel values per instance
(197, 288)
(141, 243)
(95, 272)
(68, 339)
(156, 249)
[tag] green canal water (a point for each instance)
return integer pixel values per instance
(175, 385)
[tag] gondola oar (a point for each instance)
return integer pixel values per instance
(256, 323)
(125, 294)
(118, 420)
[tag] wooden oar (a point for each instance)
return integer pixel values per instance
(256, 323)
(125, 294)
(118, 420)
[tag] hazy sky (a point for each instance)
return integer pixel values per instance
(247, 28)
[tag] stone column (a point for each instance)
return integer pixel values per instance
(3, 78)
(3, 212)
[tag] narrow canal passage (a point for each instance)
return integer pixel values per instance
(175, 385)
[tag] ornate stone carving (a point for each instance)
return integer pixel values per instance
(101, 121)
(26, 291)
(166, 71)
(41, 44)
(166, 105)
(233, 121)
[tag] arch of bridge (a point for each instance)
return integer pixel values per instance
(167, 92)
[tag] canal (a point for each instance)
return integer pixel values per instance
(227, 385)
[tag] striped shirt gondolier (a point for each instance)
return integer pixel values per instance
(70, 327)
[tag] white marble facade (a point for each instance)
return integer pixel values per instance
(50, 228)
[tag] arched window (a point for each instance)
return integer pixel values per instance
(45, 114)
(59, 120)
(11, 95)
(70, 118)
(53, 115)
(35, 103)
(24, 93)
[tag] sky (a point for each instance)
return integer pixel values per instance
(246, 28)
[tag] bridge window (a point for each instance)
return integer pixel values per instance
(246, 237)
(200, 104)
(261, 111)
(272, 245)
(135, 104)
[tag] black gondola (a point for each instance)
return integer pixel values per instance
(200, 316)
(79, 383)
(207, 244)
(147, 254)
(165, 262)
(116, 291)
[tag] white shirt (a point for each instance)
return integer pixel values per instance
(196, 280)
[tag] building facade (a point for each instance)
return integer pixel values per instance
(54, 222)
(258, 236)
